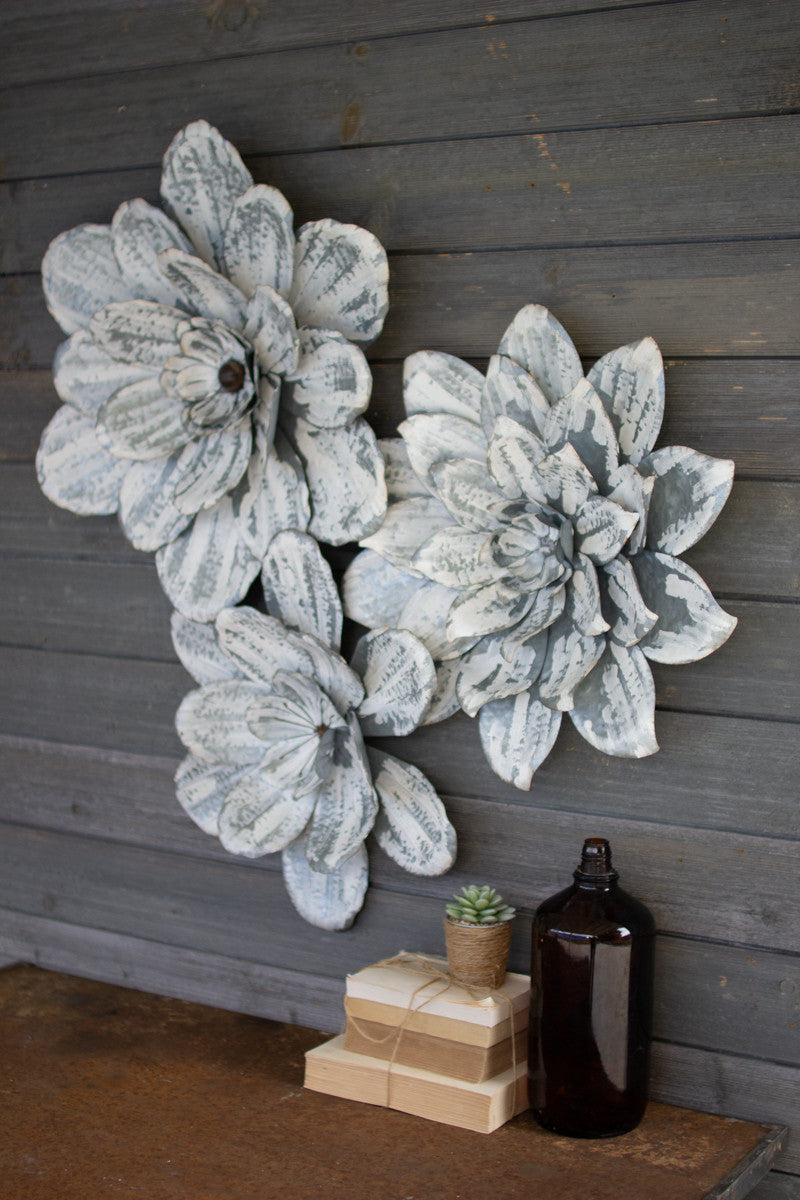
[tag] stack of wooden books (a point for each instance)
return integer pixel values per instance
(418, 1043)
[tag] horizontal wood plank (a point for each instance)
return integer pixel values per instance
(739, 408)
(732, 1086)
(777, 1186)
(70, 696)
(750, 540)
(756, 672)
(262, 990)
(727, 58)
(657, 184)
(745, 409)
(63, 40)
(242, 985)
(729, 300)
(87, 699)
(723, 300)
(711, 773)
(118, 609)
(728, 998)
(679, 873)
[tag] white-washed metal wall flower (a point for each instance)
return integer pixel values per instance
(212, 389)
(532, 542)
(277, 760)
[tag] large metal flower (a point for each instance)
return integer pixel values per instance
(277, 758)
(212, 391)
(532, 539)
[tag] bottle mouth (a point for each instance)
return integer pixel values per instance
(595, 864)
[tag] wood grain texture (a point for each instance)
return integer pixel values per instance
(47, 690)
(683, 890)
(727, 299)
(740, 1086)
(727, 58)
(120, 610)
(244, 985)
(777, 1186)
(98, 37)
(711, 772)
(708, 995)
(655, 184)
(700, 300)
(745, 409)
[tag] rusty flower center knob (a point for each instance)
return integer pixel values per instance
(231, 375)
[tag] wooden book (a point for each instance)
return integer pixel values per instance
(480, 1107)
(457, 1059)
(476, 1018)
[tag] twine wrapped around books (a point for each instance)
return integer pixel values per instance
(433, 972)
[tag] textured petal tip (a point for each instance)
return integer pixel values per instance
(341, 279)
(202, 177)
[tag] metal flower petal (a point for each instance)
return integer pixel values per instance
(80, 274)
(74, 470)
(531, 502)
(411, 825)
(340, 280)
(331, 899)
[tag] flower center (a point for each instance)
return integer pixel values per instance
(231, 375)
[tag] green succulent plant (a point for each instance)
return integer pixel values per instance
(480, 906)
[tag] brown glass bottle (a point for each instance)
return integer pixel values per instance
(591, 1003)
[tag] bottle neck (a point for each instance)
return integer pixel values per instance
(595, 869)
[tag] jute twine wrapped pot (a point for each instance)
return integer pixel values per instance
(477, 954)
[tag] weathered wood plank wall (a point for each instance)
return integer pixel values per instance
(634, 167)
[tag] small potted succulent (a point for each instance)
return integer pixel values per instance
(477, 932)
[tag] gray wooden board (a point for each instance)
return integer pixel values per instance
(120, 610)
(104, 36)
(726, 997)
(653, 184)
(745, 409)
(240, 984)
(726, 58)
(117, 609)
(680, 874)
(729, 299)
(748, 552)
(726, 299)
(711, 773)
(263, 990)
(32, 524)
(739, 408)
(777, 1186)
(77, 696)
(27, 402)
(757, 671)
(733, 1086)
